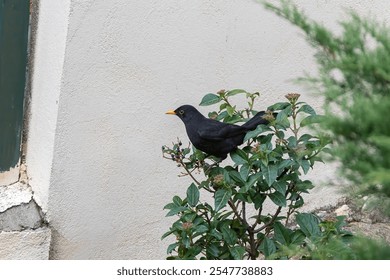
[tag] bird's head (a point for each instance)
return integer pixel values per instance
(185, 112)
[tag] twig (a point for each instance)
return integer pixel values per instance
(234, 208)
(257, 218)
(252, 242)
(188, 172)
(289, 212)
(271, 221)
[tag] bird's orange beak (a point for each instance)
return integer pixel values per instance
(171, 112)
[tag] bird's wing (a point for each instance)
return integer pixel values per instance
(217, 131)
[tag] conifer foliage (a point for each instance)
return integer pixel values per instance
(354, 79)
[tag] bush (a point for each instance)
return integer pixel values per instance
(269, 167)
(355, 81)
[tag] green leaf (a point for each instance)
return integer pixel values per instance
(253, 133)
(284, 164)
(307, 109)
(222, 216)
(239, 156)
(305, 137)
(198, 154)
(292, 142)
(193, 251)
(258, 200)
(229, 235)
(311, 120)
(298, 202)
(282, 119)
(230, 110)
(177, 200)
(169, 206)
(222, 115)
(237, 252)
(297, 237)
(304, 186)
(192, 195)
(280, 187)
(241, 196)
(198, 220)
(278, 199)
(185, 240)
(176, 210)
(172, 247)
(210, 99)
(177, 226)
(213, 250)
(236, 177)
(309, 224)
(250, 182)
(305, 164)
(267, 247)
(270, 173)
(282, 234)
(279, 106)
(234, 92)
(201, 229)
(280, 134)
(221, 197)
(287, 111)
(168, 233)
(189, 217)
(232, 119)
(222, 106)
(244, 171)
(216, 234)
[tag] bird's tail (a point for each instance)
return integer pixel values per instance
(255, 121)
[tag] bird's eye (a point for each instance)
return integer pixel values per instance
(181, 112)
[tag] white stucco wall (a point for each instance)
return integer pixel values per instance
(46, 79)
(121, 64)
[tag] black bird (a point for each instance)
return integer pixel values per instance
(213, 137)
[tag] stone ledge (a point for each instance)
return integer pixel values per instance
(18, 210)
(13, 195)
(25, 245)
(21, 217)
(23, 231)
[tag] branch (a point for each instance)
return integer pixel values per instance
(271, 221)
(189, 172)
(234, 208)
(257, 219)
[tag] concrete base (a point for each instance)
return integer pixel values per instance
(23, 234)
(21, 217)
(25, 245)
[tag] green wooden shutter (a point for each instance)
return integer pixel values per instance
(14, 24)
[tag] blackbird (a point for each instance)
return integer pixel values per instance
(213, 137)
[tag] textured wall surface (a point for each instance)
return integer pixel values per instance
(124, 64)
(25, 245)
